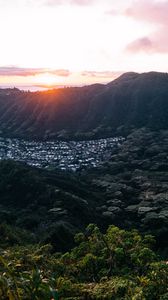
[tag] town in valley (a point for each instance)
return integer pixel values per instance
(64, 155)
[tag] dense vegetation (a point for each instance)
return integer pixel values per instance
(132, 100)
(118, 264)
(46, 203)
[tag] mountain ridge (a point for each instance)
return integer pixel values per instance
(133, 100)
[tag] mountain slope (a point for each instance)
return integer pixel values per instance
(132, 100)
(134, 184)
(52, 205)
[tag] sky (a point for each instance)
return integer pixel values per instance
(46, 43)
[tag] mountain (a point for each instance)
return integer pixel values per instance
(133, 100)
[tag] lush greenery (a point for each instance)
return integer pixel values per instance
(118, 264)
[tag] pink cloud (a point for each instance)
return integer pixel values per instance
(113, 12)
(101, 74)
(81, 2)
(154, 43)
(142, 44)
(16, 71)
(155, 12)
(150, 11)
(74, 2)
(61, 72)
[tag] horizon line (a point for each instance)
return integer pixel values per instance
(43, 87)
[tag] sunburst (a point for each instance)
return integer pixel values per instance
(47, 80)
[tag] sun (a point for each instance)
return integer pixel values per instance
(47, 80)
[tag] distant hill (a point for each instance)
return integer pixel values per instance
(133, 100)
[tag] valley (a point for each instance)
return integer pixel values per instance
(77, 156)
(84, 150)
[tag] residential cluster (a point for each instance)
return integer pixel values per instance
(65, 155)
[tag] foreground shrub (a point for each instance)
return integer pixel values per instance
(116, 265)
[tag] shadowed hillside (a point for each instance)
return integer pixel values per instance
(132, 100)
(52, 205)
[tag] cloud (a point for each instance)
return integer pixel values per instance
(154, 12)
(61, 72)
(150, 11)
(101, 74)
(73, 2)
(113, 12)
(17, 71)
(81, 2)
(155, 43)
(142, 44)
